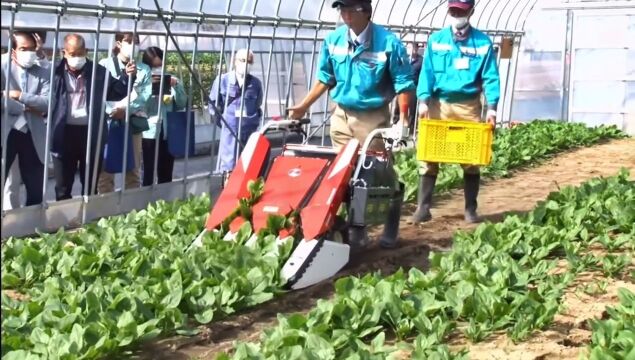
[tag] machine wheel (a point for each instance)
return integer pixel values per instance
(339, 232)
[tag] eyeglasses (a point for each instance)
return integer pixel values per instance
(350, 9)
(245, 60)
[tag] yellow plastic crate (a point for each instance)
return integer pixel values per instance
(454, 141)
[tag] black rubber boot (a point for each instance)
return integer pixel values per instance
(390, 237)
(471, 187)
(424, 199)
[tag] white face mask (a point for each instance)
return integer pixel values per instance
(156, 70)
(26, 59)
(459, 22)
(76, 62)
(126, 50)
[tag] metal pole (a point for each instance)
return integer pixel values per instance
(88, 186)
(268, 78)
(127, 121)
(515, 72)
(504, 92)
(278, 85)
(480, 16)
(290, 82)
(189, 101)
(310, 77)
(326, 117)
(244, 87)
(5, 127)
(392, 8)
(158, 134)
(375, 12)
(49, 116)
(566, 68)
(102, 115)
(310, 74)
(265, 111)
(219, 75)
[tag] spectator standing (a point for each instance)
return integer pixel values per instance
(173, 101)
(116, 111)
(27, 101)
(72, 114)
(238, 90)
(13, 182)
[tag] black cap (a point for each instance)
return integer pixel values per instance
(337, 3)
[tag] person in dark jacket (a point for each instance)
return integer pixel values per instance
(74, 110)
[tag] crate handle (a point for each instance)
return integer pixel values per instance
(456, 127)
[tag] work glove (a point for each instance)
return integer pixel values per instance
(491, 117)
(424, 112)
(399, 132)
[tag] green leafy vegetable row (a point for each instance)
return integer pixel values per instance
(512, 148)
(614, 338)
(127, 279)
(505, 276)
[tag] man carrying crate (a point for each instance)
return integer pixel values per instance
(459, 65)
(364, 65)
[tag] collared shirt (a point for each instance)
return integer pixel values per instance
(76, 90)
(456, 71)
(141, 89)
(368, 77)
(363, 37)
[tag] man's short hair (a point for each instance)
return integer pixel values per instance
(77, 37)
(14, 40)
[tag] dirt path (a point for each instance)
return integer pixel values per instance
(497, 198)
(568, 336)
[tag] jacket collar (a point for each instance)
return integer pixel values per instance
(232, 77)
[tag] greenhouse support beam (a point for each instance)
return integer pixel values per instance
(88, 185)
(219, 73)
(5, 124)
(49, 115)
(566, 68)
(592, 5)
(141, 14)
(159, 125)
(126, 130)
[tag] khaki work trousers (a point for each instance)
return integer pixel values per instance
(106, 182)
(348, 124)
(469, 110)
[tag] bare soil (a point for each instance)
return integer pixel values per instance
(516, 194)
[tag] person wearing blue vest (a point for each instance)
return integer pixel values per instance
(239, 91)
(365, 66)
(458, 67)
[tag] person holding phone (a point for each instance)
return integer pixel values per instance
(173, 98)
(122, 59)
